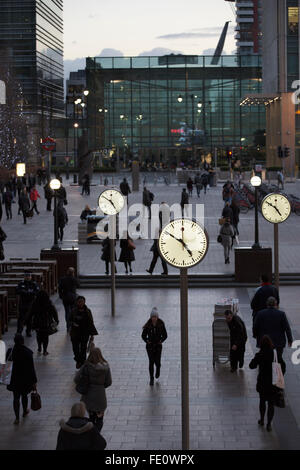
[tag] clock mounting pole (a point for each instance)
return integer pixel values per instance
(184, 359)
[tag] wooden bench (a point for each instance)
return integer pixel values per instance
(12, 298)
(44, 271)
(31, 263)
(3, 312)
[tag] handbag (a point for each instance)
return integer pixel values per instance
(83, 385)
(29, 214)
(277, 375)
(52, 328)
(6, 370)
(36, 402)
(219, 239)
(278, 398)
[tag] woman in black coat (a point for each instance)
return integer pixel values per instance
(127, 252)
(154, 334)
(264, 359)
(236, 216)
(23, 378)
(43, 314)
(106, 255)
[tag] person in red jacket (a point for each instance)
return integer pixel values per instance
(34, 196)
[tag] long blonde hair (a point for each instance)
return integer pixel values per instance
(95, 357)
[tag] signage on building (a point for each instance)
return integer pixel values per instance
(49, 144)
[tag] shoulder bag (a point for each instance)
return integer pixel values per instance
(277, 375)
(6, 370)
(83, 385)
(36, 402)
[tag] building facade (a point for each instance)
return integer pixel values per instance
(248, 28)
(31, 44)
(161, 105)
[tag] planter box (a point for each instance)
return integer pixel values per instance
(250, 264)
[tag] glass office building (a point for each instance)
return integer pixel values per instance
(172, 102)
(31, 41)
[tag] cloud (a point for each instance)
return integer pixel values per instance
(158, 51)
(111, 53)
(208, 32)
(79, 63)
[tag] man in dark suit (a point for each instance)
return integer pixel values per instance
(273, 323)
(263, 293)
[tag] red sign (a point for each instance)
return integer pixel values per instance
(177, 131)
(49, 144)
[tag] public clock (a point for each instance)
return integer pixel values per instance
(276, 208)
(111, 202)
(183, 243)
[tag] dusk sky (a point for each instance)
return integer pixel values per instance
(135, 27)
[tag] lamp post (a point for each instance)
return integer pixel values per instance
(256, 183)
(76, 125)
(55, 185)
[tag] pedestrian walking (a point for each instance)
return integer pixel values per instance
(262, 294)
(62, 220)
(238, 339)
(86, 185)
(235, 218)
(184, 200)
(42, 316)
(125, 189)
(227, 212)
(19, 186)
(98, 376)
(61, 194)
(190, 187)
(82, 330)
(31, 182)
(127, 252)
(106, 255)
(24, 204)
(3, 237)
(78, 433)
(148, 198)
(67, 292)
(7, 200)
(198, 184)
(280, 179)
(34, 196)
(156, 256)
(228, 192)
(154, 334)
(263, 360)
(164, 215)
(273, 323)
(205, 180)
(226, 234)
(49, 194)
(23, 377)
(27, 291)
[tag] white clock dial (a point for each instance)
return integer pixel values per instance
(183, 243)
(111, 202)
(276, 208)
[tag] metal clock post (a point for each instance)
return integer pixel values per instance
(183, 244)
(276, 209)
(111, 202)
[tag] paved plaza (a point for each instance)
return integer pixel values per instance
(223, 406)
(38, 233)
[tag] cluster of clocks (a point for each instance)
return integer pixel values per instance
(276, 208)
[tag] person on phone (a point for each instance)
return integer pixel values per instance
(154, 334)
(23, 378)
(82, 330)
(127, 252)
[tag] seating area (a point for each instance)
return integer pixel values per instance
(11, 273)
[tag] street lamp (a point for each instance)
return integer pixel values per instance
(86, 92)
(21, 169)
(180, 99)
(55, 185)
(256, 183)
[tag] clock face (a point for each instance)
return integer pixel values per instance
(111, 202)
(183, 243)
(276, 208)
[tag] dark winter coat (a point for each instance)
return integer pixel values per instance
(27, 291)
(259, 301)
(236, 214)
(154, 334)
(238, 332)
(154, 248)
(8, 198)
(273, 323)
(106, 251)
(79, 434)
(85, 214)
(147, 198)
(228, 214)
(125, 189)
(61, 194)
(127, 254)
(23, 376)
(24, 202)
(204, 179)
(189, 184)
(43, 315)
(48, 192)
(99, 378)
(263, 359)
(82, 324)
(184, 199)
(62, 217)
(67, 289)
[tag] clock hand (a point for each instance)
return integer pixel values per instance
(110, 201)
(182, 242)
(274, 207)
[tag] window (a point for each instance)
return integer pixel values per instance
(293, 20)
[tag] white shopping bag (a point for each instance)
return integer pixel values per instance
(277, 375)
(2, 352)
(6, 369)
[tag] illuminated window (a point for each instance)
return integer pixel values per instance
(293, 20)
